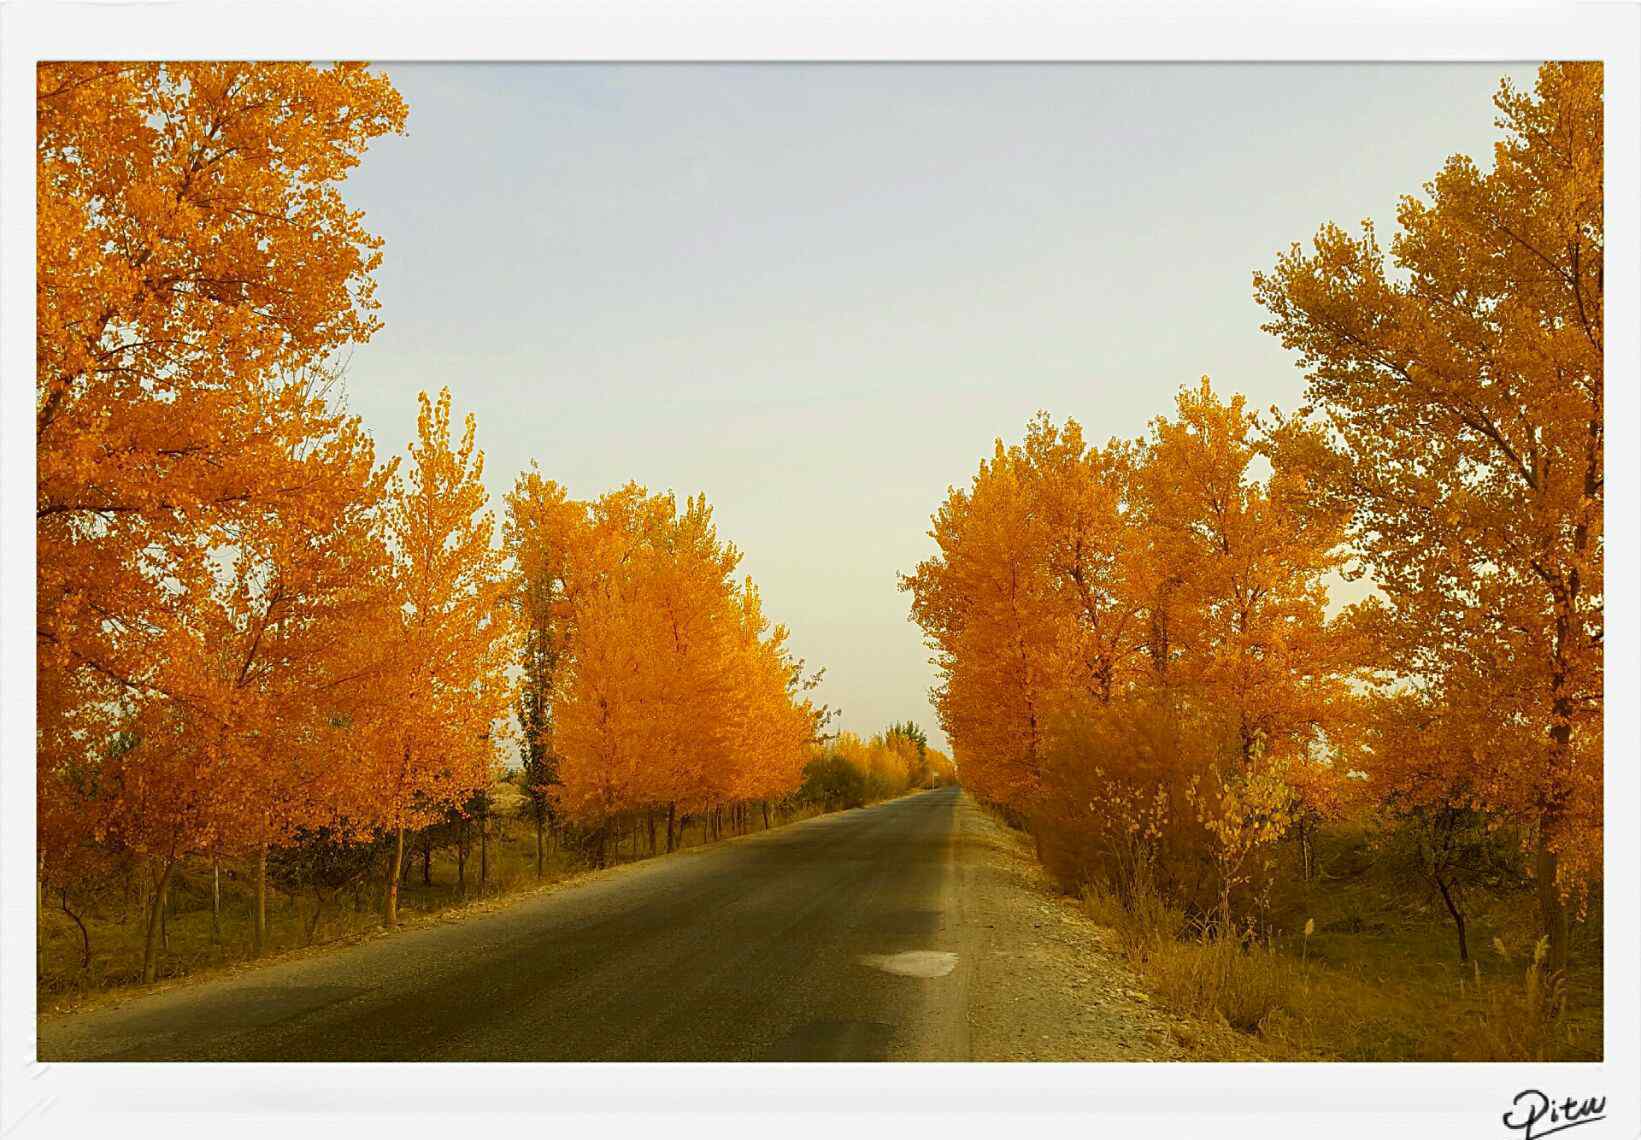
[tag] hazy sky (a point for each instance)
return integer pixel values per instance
(818, 293)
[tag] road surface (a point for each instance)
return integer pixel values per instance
(902, 931)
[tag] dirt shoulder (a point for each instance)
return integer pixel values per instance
(1047, 982)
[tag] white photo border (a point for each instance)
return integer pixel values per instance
(1163, 1099)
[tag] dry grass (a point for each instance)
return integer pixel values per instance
(1143, 923)
(1209, 979)
(1376, 978)
(1218, 979)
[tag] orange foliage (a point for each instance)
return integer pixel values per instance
(1459, 382)
(203, 511)
(1133, 640)
(450, 636)
(193, 252)
(1029, 604)
(669, 688)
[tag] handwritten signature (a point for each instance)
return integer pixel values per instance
(1531, 1107)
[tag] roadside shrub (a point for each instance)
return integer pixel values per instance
(1117, 796)
(833, 783)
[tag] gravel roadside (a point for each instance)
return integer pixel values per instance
(1047, 983)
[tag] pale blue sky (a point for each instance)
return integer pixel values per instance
(817, 293)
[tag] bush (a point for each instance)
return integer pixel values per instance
(1116, 796)
(832, 783)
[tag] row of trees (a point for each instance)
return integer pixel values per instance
(1135, 643)
(653, 683)
(252, 636)
(849, 771)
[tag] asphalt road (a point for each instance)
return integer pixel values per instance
(841, 938)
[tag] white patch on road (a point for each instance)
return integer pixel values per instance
(913, 963)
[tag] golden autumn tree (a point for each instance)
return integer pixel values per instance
(673, 694)
(451, 638)
(1250, 558)
(689, 593)
(1035, 602)
(543, 526)
(1429, 765)
(1083, 495)
(304, 603)
(1460, 383)
(597, 689)
(231, 743)
(885, 764)
(193, 253)
(773, 723)
(1248, 642)
(857, 753)
(273, 660)
(1091, 608)
(941, 769)
(986, 604)
(643, 713)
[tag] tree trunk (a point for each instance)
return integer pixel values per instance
(1458, 917)
(766, 815)
(85, 935)
(390, 908)
(541, 854)
(461, 859)
(1158, 646)
(216, 900)
(484, 853)
(427, 858)
(150, 949)
(318, 907)
(672, 819)
(1552, 909)
(259, 917)
(649, 821)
